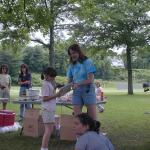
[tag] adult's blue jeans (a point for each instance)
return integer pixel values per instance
(23, 107)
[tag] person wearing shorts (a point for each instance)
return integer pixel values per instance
(81, 73)
(5, 84)
(48, 104)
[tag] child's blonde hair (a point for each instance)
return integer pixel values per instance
(97, 83)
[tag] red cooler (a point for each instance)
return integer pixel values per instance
(7, 118)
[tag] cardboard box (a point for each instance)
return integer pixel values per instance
(67, 128)
(33, 124)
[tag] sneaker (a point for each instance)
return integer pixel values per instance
(100, 108)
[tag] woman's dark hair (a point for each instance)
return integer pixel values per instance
(85, 119)
(24, 66)
(49, 71)
(76, 48)
(4, 66)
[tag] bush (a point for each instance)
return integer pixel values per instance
(36, 79)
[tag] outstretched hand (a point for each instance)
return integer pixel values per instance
(58, 94)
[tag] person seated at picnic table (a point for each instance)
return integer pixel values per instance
(89, 137)
(99, 95)
(99, 91)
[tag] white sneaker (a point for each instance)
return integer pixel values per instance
(100, 108)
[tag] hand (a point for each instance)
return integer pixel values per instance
(2, 87)
(27, 82)
(75, 86)
(58, 94)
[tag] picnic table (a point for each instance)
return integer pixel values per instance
(65, 103)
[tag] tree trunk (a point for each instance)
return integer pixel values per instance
(51, 48)
(51, 32)
(129, 68)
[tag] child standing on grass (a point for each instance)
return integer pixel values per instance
(48, 104)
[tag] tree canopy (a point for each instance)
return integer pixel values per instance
(109, 24)
(97, 25)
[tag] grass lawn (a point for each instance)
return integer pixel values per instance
(123, 119)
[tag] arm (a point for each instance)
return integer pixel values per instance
(82, 143)
(89, 80)
(9, 86)
(90, 70)
(48, 98)
(70, 80)
(19, 80)
(48, 92)
(27, 81)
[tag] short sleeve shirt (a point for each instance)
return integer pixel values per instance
(48, 90)
(5, 80)
(79, 71)
(93, 141)
(23, 78)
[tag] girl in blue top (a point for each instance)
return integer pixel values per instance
(81, 73)
(88, 134)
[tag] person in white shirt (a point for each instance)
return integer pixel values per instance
(5, 84)
(99, 95)
(48, 104)
(99, 91)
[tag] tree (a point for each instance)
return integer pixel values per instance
(36, 58)
(13, 62)
(21, 18)
(141, 58)
(109, 24)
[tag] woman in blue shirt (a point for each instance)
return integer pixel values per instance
(81, 73)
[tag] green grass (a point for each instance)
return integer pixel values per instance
(123, 119)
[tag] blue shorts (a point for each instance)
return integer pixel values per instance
(84, 95)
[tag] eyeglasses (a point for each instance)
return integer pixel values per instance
(4, 68)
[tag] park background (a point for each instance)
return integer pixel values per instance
(115, 34)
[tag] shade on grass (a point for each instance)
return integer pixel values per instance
(123, 119)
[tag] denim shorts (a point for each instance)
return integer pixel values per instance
(48, 116)
(84, 95)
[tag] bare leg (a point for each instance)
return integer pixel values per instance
(91, 109)
(48, 131)
(77, 109)
(4, 105)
